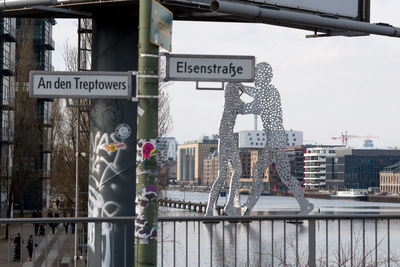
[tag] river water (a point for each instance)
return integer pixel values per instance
(228, 242)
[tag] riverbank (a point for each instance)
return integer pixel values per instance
(370, 198)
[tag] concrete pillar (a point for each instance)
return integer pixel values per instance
(112, 175)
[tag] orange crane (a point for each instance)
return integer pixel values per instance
(345, 138)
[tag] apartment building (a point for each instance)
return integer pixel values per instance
(315, 166)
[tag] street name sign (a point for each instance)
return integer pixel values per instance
(211, 68)
(161, 26)
(88, 84)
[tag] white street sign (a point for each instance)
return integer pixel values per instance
(213, 68)
(91, 84)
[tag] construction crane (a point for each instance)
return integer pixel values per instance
(345, 138)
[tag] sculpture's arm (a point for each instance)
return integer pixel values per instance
(249, 90)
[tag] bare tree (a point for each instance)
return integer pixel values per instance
(26, 134)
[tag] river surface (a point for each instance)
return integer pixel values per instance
(276, 243)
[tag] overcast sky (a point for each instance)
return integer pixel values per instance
(327, 85)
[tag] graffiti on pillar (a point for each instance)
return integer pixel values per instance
(104, 165)
(267, 104)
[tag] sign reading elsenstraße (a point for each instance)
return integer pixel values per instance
(213, 68)
(90, 84)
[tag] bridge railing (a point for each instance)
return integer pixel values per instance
(284, 240)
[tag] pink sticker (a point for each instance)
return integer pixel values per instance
(146, 150)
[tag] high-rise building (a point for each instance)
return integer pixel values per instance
(7, 56)
(37, 195)
(43, 44)
(358, 168)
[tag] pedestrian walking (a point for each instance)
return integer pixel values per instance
(17, 250)
(35, 214)
(52, 225)
(56, 215)
(30, 247)
(66, 224)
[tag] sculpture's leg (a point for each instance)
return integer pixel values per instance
(216, 188)
(257, 186)
(283, 169)
(232, 207)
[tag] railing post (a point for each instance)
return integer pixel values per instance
(97, 243)
(311, 243)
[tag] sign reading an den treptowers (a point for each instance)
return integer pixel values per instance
(91, 84)
(213, 68)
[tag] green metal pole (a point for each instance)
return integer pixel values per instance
(147, 170)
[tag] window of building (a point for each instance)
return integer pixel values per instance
(251, 143)
(6, 90)
(5, 124)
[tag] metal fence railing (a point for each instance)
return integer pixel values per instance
(284, 240)
(326, 240)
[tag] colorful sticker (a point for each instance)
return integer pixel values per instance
(143, 230)
(146, 149)
(115, 146)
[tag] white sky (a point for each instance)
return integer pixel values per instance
(327, 85)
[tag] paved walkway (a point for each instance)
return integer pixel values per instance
(55, 246)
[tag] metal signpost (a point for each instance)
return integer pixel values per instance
(93, 84)
(161, 26)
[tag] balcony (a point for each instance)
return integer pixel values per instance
(8, 68)
(8, 32)
(44, 41)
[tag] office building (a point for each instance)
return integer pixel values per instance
(37, 194)
(7, 85)
(191, 155)
(389, 179)
(358, 168)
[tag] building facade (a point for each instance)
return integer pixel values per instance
(43, 45)
(7, 85)
(37, 194)
(167, 147)
(315, 166)
(257, 139)
(191, 155)
(389, 179)
(210, 171)
(358, 168)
